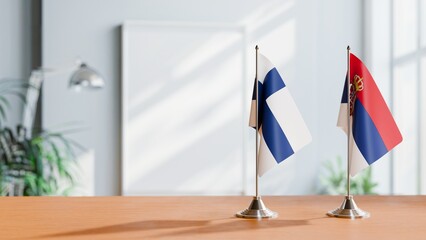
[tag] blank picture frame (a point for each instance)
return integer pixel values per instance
(183, 103)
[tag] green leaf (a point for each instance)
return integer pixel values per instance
(30, 180)
(4, 101)
(3, 113)
(47, 158)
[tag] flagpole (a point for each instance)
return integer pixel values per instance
(257, 124)
(348, 119)
(348, 208)
(257, 208)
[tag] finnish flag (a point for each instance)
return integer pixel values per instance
(282, 129)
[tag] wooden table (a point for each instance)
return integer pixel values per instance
(301, 217)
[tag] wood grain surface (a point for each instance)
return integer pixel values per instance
(300, 217)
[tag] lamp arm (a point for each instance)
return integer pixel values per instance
(33, 93)
(30, 107)
(83, 76)
(47, 71)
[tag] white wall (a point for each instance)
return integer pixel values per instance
(15, 48)
(378, 55)
(305, 39)
(395, 53)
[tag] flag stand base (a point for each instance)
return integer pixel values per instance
(348, 209)
(257, 209)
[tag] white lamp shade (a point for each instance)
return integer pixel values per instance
(86, 77)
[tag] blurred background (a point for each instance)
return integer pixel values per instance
(172, 117)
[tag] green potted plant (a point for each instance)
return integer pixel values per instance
(33, 166)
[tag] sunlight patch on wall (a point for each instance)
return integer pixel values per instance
(184, 116)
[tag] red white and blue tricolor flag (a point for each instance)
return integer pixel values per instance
(373, 130)
(281, 126)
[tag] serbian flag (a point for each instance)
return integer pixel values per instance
(373, 130)
(281, 127)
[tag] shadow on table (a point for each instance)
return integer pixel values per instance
(238, 225)
(196, 226)
(130, 227)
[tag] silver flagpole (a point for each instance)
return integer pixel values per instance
(257, 208)
(348, 116)
(348, 209)
(257, 123)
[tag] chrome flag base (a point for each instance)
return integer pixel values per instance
(257, 209)
(348, 209)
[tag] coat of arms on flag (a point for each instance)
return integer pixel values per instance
(373, 130)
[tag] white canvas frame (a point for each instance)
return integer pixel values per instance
(139, 26)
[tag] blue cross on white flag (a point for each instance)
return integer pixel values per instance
(281, 126)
